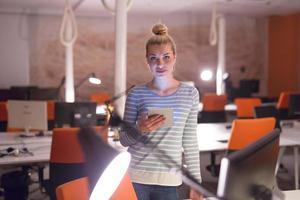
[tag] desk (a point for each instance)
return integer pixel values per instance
(228, 107)
(39, 146)
(231, 107)
(291, 194)
(214, 137)
(288, 195)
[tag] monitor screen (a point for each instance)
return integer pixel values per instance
(251, 85)
(267, 111)
(75, 114)
(27, 115)
(250, 172)
(44, 94)
(21, 92)
(294, 105)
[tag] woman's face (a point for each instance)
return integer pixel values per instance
(161, 60)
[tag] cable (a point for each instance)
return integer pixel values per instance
(68, 17)
(213, 37)
(112, 10)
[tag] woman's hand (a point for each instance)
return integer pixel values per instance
(150, 123)
(195, 195)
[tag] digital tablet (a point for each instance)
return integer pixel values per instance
(166, 112)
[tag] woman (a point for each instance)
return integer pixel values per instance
(149, 170)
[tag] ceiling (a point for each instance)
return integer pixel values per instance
(157, 7)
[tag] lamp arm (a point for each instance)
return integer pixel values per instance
(186, 176)
(83, 80)
(62, 82)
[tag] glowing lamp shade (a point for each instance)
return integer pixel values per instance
(225, 76)
(206, 75)
(104, 165)
(94, 80)
(111, 177)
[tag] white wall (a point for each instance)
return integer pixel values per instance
(32, 53)
(14, 59)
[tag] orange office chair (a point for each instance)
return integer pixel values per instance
(243, 133)
(214, 102)
(66, 158)
(213, 111)
(50, 114)
(245, 107)
(213, 108)
(100, 97)
(247, 131)
(78, 189)
(3, 116)
(283, 105)
(125, 190)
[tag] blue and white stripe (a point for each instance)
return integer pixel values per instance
(149, 166)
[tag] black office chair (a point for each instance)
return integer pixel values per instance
(267, 111)
(270, 111)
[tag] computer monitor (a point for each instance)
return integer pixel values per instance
(268, 111)
(250, 172)
(75, 114)
(44, 94)
(251, 85)
(294, 106)
(27, 115)
(4, 94)
(21, 92)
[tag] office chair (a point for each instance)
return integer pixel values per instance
(213, 108)
(50, 114)
(245, 107)
(78, 189)
(100, 97)
(3, 116)
(268, 111)
(283, 104)
(213, 111)
(66, 158)
(245, 132)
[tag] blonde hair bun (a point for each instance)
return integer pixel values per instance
(160, 29)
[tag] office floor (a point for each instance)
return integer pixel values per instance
(285, 178)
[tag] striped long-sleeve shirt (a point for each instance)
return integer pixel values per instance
(149, 166)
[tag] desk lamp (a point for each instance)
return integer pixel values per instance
(92, 79)
(98, 155)
(105, 166)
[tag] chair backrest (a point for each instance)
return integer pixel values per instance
(66, 157)
(3, 111)
(283, 101)
(65, 147)
(247, 131)
(50, 110)
(3, 116)
(214, 102)
(100, 97)
(78, 189)
(125, 190)
(283, 104)
(268, 111)
(245, 107)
